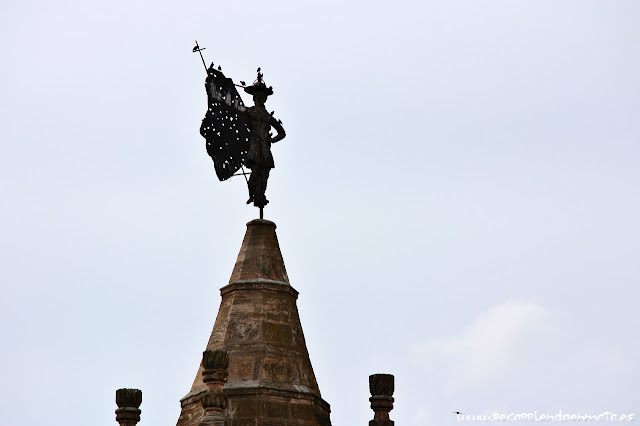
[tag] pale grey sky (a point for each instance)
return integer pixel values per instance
(457, 201)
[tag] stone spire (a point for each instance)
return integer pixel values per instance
(270, 377)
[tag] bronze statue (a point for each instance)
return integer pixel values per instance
(259, 158)
(237, 136)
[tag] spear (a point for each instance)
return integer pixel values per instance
(199, 50)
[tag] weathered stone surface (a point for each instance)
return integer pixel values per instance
(260, 256)
(270, 377)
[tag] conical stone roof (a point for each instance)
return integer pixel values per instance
(271, 380)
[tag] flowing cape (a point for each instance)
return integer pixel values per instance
(225, 125)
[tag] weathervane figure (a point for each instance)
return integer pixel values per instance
(238, 136)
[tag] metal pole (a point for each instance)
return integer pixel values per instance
(244, 174)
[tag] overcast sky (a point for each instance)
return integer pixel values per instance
(457, 201)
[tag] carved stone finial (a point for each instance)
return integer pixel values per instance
(215, 359)
(212, 400)
(381, 387)
(381, 384)
(215, 365)
(214, 375)
(128, 401)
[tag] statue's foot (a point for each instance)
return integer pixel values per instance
(250, 200)
(260, 202)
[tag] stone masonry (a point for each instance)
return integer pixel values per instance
(270, 377)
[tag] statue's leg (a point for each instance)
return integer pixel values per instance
(262, 174)
(252, 184)
(262, 185)
(265, 178)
